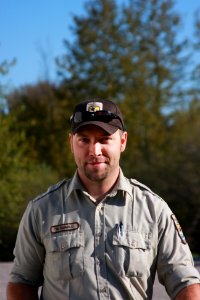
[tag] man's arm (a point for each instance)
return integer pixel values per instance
(19, 291)
(189, 292)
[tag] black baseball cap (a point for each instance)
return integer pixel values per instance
(103, 113)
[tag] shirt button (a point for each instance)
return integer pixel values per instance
(133, 244)
(63, 246)
(99, 234)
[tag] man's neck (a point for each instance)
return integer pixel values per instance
(99, 189)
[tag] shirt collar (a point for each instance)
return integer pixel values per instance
(75, 184)
(122, 184)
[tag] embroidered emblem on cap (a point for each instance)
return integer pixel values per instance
(64, 227)
(94, 106)
(179, 229)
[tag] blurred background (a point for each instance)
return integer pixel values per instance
(143, 55)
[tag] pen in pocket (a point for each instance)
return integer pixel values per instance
(120, 229)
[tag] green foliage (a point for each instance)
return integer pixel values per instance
(20, 180)
(4, 69)
(129, 52)
(195, 76)
(42, 112)
(132, 53)
(182, 161)
(125, 51)
(5, 66)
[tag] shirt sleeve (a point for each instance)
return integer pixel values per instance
(28, 252)
(175, 264)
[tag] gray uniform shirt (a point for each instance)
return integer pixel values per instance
(77, 249)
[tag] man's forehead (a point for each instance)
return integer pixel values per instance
(91, 129)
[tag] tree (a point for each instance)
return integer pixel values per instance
(90, 64)
(129, 53)
(182, 171)
(132, 53)
(4, 69)
(43, 111)
(195, 76)
(153, 71)
(20, 180)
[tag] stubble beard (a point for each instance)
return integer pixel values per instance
(95, 175)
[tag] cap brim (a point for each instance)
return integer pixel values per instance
(105, 126)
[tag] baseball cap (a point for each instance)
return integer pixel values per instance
(100, 112)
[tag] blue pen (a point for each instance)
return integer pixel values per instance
(121, 228)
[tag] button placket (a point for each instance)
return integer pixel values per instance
(63, 246)
(100, 264)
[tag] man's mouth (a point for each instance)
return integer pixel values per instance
(97, 161)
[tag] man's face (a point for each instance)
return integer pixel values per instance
(97, 153)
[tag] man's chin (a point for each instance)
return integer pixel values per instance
(96, 176)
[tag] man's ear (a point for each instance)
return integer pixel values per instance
(124, 137)
(71, 142)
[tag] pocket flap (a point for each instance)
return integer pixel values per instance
(133, 240)
(64, 242)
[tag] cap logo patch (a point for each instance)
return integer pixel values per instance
(179, 229)
(94, 106)
(64, 227)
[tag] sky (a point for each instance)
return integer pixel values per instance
(33, 32)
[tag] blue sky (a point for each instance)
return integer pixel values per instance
(31, 29)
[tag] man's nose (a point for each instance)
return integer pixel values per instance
(95, 149)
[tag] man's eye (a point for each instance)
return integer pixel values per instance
(83, 140)
(106, 139)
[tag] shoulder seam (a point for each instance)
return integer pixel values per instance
(143, 186)
(50, 190)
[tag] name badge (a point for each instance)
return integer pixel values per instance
(64, 227)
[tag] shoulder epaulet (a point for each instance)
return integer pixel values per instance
(144, 187)
(51, 189)
(141, 185)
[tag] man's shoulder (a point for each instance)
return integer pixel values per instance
(144, 188)
(140, 185)
(57, 187)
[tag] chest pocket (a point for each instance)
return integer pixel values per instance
(131, 253)
(64, 256)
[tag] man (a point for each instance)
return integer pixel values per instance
(100, 235)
